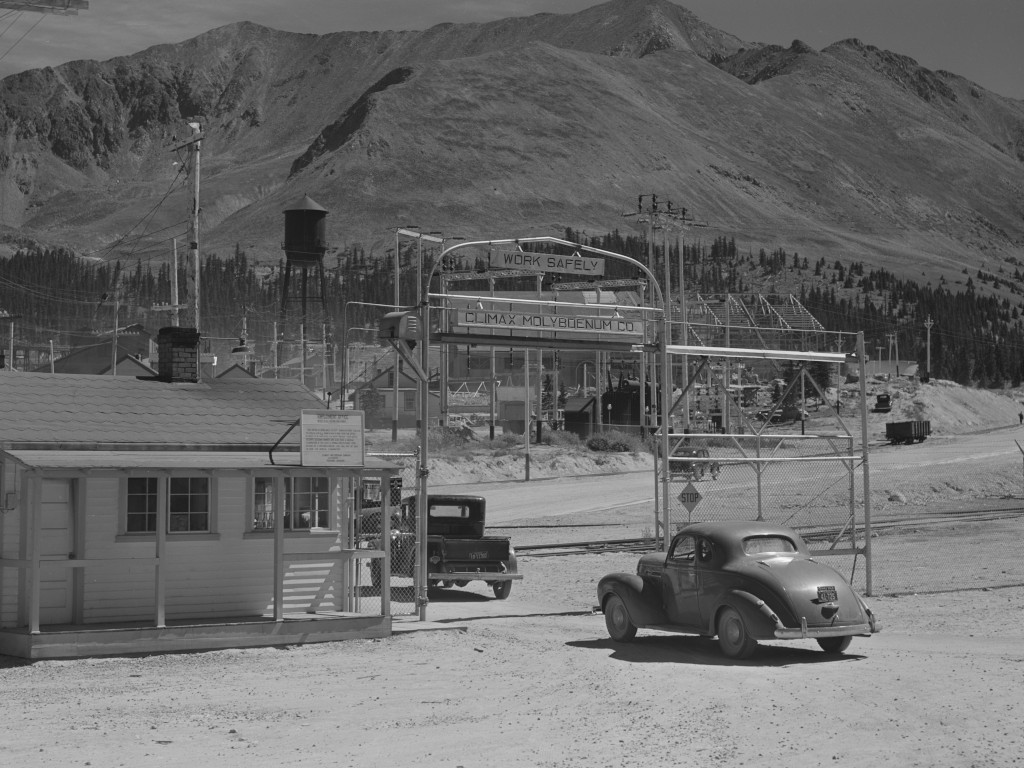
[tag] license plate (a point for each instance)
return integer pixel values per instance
(827, 594)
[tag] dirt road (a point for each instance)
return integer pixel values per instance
(535, 681)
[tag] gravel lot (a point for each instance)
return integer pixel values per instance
(535, 681)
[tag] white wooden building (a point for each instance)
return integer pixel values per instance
(167, 514)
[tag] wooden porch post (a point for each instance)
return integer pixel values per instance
(160, 575)
(34, 505)
(279, 512)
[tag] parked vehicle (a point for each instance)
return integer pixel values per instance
(741, 581)
(787, 413)
(458, 551)
(692, 464)
(908, 432)
(883, 403)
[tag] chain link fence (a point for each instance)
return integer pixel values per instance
(946, 513)
(806, 482)
(403, 535)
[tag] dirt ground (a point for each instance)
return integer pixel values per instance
(535, 681)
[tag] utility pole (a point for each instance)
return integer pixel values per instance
(657, 214)
(8, 363)
(928, 346)
(193, 145)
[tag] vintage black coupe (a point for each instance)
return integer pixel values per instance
(741, 581)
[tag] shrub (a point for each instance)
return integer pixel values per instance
(616, 441)
(563, 439)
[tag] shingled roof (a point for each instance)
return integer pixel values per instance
(42, 410)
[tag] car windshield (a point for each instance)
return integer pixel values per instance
(757, 545)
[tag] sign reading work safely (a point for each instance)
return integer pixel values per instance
(518, 321)
(546, 262)
(690, 497)
(332, 438)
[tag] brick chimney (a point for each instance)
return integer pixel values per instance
(178, 354)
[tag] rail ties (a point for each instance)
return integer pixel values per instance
(893, 524)
(587, 547)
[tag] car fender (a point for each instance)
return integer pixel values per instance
(760, 619)
(641, 597)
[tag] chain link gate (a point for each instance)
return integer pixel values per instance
(402, 501)
(746, 459)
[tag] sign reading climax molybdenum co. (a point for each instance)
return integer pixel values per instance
(519, 321)
(546, 262)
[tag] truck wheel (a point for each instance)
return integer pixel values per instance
(620, 627)
(502, 589)
(733, 638)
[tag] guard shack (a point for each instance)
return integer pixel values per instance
(150, 515)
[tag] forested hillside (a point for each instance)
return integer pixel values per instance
(977, 337)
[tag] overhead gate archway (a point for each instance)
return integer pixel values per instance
(738, 470)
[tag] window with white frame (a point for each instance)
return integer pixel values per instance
(141, 506)
(306, 501)
(188, 504)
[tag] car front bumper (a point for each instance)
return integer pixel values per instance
(475, 576)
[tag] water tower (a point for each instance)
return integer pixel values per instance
(305, 242)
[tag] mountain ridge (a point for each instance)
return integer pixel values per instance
(523, 126)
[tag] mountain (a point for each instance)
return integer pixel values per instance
(519, 127)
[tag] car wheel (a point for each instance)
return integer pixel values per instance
(733, 638)
(835, 644)
(616, 618)
(502, 589)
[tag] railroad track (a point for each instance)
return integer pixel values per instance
(889, 524)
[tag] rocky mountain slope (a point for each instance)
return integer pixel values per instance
(518, 127)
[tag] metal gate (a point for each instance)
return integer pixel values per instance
(401, 498)
(781, 454)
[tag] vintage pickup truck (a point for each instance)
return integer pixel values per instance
(458, 551)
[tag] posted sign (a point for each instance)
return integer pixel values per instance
(332, 439)
(689, 497)
(546, 262)
(519, 321)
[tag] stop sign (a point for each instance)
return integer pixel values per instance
(689, 497)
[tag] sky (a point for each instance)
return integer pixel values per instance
(978, 39)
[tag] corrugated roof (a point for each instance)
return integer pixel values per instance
(50, 410)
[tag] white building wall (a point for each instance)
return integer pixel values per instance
(10, 545)
(227, 574)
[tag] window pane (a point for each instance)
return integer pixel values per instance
(263, 504)
(189, 504)
(140, 505)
